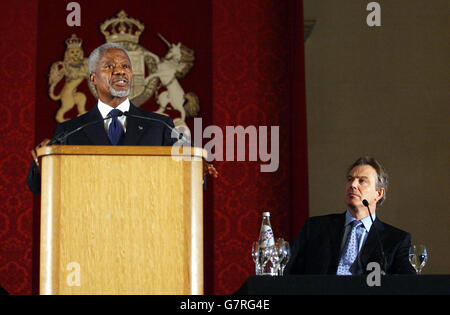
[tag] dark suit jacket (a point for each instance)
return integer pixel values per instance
(317, 247)
(138, 132)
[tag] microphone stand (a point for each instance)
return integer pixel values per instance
(61, 138)
(181, 136)
(383, 257)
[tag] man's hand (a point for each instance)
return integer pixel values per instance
(34, 151)
(210, 169)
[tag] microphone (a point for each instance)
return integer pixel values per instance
(383, 257)
(62, 137)
(180, 135)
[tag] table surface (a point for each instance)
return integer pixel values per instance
(340, 285)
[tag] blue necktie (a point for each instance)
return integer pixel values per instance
(115, 131)
(351, 249)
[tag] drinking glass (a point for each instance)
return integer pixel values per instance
(418, 256)
(264, 258)
(255, 256)
(285, 254)
(274, 259)
(278, 255)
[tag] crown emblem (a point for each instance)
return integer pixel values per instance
(122, 29)
(73, 41)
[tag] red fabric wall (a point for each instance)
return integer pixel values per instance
(258, 80)
(249, 70)
(17, 106)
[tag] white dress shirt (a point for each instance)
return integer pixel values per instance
(105, 109)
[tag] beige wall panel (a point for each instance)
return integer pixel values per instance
(382, 91)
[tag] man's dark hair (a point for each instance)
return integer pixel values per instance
(382, 178)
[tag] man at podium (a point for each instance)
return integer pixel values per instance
(111, 74)
(344, 244)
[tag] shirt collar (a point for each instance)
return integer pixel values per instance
(105, 108)
(349, 218)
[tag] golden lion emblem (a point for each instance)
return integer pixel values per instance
(75, 69)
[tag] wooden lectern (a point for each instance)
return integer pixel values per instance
(121, 220)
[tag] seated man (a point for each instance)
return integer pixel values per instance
(345, 243)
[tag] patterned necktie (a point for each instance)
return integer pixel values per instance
(351, 249)
(115, 131)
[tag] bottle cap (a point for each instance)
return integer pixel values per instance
(266, 214)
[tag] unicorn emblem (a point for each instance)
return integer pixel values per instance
(177, 62)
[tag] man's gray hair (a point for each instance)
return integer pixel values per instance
(97, 53)
(382, 178)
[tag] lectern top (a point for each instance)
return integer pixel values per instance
(121, 150)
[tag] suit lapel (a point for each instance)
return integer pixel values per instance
(96, 133)
(371, 251)
(135, 128)
(336, 233)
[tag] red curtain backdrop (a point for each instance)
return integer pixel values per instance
(17, 106)
(258, 75)
(249, 71)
